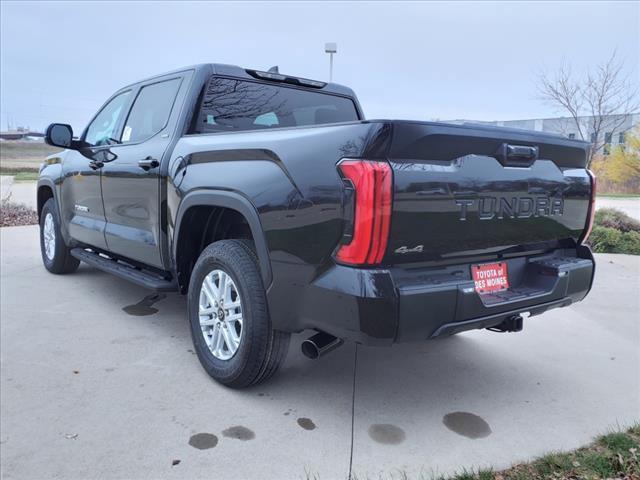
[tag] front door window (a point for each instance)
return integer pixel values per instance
(102, 129)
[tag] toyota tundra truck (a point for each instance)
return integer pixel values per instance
(273, 204)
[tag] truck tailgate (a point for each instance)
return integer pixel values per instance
(465, 190)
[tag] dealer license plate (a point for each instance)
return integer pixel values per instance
(490, 277)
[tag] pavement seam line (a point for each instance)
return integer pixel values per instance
(353, 409)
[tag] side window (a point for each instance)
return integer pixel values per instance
(103, 127)
(150, 111)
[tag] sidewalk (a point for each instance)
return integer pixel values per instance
(18, 192)
(630, 205)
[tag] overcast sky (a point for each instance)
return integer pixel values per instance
(472, 60)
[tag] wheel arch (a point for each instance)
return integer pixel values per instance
(226, 200)
(46, 190)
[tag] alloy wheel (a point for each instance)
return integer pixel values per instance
(49, 236)
(220, 313)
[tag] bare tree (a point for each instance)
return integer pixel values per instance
(599, 101)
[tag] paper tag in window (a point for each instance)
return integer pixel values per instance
(126, 135)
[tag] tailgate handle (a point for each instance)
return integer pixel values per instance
(516, 155)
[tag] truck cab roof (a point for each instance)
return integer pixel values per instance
(253, 74)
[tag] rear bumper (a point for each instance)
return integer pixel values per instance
(382, 306)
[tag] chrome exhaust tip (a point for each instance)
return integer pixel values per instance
(319, 344)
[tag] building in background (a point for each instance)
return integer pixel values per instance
(612, 132)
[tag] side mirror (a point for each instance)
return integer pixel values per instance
(59, 135)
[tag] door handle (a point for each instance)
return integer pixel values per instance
(148, 163)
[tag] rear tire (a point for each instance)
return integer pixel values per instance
(55, 254)
(234, 341)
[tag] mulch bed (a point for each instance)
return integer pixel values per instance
(15, 214)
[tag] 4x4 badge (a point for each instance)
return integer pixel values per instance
(404, 249)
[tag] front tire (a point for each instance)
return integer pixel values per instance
(55, 254)
(230, 324)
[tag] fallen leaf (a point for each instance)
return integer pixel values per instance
(175, 462)
(76, 371)
(71, 436)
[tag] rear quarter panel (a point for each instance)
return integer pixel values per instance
(290, 177)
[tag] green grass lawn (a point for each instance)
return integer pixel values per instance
(614, 455)
(25, 176)
(618, 195)
(24, 156)
(21, 173)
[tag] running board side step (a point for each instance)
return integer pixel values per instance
(144, 278)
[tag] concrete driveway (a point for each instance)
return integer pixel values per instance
(100, 380)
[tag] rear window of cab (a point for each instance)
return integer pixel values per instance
(235, 105)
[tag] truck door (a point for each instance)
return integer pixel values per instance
(131, 183)
(81, 197)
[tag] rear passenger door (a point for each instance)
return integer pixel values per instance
(131, 184)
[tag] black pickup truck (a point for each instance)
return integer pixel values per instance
(276, 207)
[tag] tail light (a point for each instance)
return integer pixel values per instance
(592, 207)
(372, 212)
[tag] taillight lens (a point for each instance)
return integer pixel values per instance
(372, 216)
(592, 206)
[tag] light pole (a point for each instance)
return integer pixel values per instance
(331, 48)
